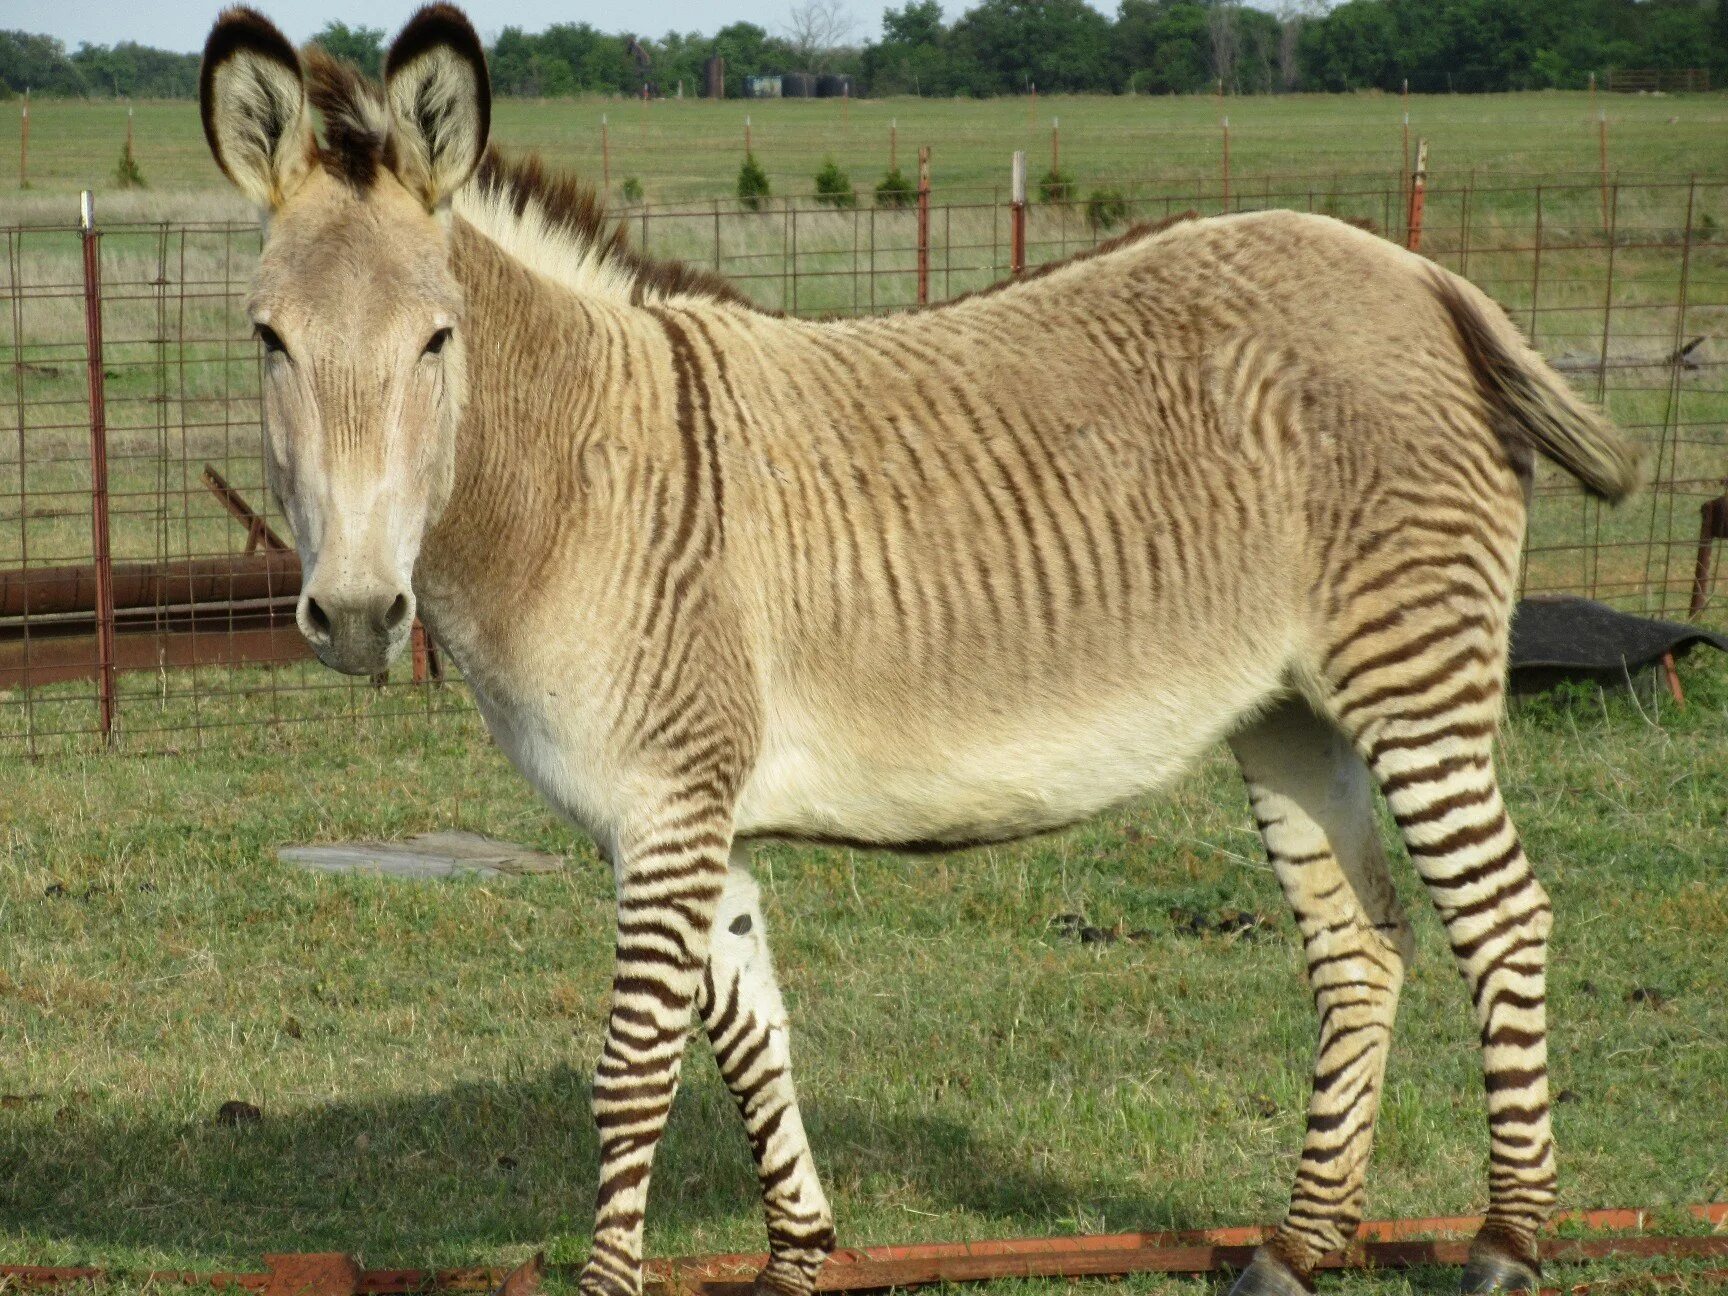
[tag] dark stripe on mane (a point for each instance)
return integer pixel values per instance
(574, 207)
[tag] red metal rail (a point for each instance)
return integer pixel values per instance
(1380, 1244)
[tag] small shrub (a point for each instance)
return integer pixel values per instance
(127, 174)
(834, 186)
(753, 188)
(895, 190)
(1056, 187)
(630, 190)
(1105, 209)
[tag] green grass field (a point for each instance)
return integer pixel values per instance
(690, 149)
(420, 1051)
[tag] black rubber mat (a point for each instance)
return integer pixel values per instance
(1575, 638)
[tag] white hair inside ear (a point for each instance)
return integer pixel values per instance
(260, 126)
(438, 122)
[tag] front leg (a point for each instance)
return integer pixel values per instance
(671, 874)
(741, 1008)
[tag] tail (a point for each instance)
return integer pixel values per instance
(1533, 409)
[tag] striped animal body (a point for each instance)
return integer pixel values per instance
(926, 580)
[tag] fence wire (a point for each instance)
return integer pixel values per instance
(1623, 286)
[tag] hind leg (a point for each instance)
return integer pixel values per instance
(1422, 705)
(1314, 802)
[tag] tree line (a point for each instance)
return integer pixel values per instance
(1008, 46)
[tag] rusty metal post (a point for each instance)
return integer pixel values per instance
(893, 143)
(99, 536)
(1418, 196)
(605, 158)
(1017, 215)
(258, 531)
(1056, 145)
(417, 640)
(1712, 526)
(924, 225)
(1226, 125)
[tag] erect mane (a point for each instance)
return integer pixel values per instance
(551, 221)
(558, 225)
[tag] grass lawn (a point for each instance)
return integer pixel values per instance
(420, 1051)
(691, 149)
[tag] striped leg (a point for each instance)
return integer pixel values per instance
(1314, 802)
(741, 1007)
(1425, 716)
(1443, 793)
(670, 879)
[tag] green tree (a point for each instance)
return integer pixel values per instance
(361, 46)
(38, 63)
(910, 58)
(1004, 46)
(137, 71)
(1163, 47)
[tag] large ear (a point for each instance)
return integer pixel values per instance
(252, 97)
(440, 102)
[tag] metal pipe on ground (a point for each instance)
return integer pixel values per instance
(1379, 1244)
(51, 591)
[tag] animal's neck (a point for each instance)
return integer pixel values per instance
(542, 383)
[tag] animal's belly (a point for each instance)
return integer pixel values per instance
(948, 788)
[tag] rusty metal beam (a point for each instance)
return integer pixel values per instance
(1379, 1244)
(258, 531)
(52, 591)
(56, 652)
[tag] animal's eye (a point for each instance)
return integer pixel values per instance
(437, 341)
(272, 343)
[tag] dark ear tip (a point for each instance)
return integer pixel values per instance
(242, 28)
(433, 25)
(238, 28)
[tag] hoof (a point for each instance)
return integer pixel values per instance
(1492, 1269)
(1267, 1275)
(778, 1278)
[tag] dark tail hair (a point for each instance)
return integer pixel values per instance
(1533, 408)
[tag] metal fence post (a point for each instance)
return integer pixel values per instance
(1418, 197)
(101, 555)
(1017, 216)
(924, 225)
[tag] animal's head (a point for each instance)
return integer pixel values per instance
(355, 299)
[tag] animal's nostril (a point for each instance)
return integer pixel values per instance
(317, 616)
(396, 613)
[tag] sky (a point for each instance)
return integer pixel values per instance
(183, 24)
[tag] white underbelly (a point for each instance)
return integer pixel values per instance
(808, 783)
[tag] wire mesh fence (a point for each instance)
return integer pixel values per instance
(141, 437)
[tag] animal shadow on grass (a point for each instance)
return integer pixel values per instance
(454, 1174)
